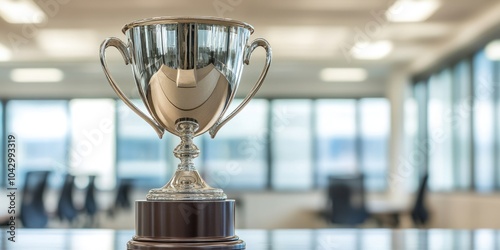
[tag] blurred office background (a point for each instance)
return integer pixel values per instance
(396, 102)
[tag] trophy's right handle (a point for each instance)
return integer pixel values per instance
(259, 42)
(120, 46)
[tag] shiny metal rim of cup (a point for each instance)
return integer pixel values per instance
(187, 19)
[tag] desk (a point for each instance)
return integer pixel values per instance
(383, 209)
(306, 239)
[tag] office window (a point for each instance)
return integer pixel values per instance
(497, 124)
(2, 147)
(374, 134)
(483, 122)
(3, 175)
(439, 131)
(419, 157)
(93, 141)
(461, 125)
(407, 169)
(291, 144)
(463, 100)
(41, 130)
(141, 155)
(336, 138)
(237, 157)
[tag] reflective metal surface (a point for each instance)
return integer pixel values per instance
(186, 184)
(186, 69)
(206, 20)
(284, 239)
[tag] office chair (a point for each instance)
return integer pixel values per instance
(90, 205)
(122, 199)
(420, 213)
(346, 199)
(33, 214)
(65, 207)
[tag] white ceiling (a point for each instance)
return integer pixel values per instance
(306, 36)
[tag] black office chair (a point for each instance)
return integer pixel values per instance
(65, 208)
(420, 213)
(33, 214)
(346, 199)
(90, 205)
(122, 199)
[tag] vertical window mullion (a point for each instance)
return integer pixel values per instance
(268, 145)
(472, 185)
(314, 146)
(496, 110)
(358, 147)
(425, 130)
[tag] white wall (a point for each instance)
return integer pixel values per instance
(464, 210)
(281, 210)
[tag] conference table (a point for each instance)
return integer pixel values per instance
(286, 239)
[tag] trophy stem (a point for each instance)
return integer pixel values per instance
(186, 151)
(186, 184)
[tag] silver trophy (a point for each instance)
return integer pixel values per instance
(187, 71)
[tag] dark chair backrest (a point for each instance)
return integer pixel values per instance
(90, 202)
(65, 208)
(420, 213)
(33, 214)
(123, 194)
(346, 195)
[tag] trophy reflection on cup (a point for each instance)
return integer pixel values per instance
(187, 71)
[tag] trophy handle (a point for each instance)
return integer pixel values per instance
(246, 57)
(123, 48)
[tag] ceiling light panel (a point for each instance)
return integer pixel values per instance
(372, 50)
(493, 50)
(5, 53)
(412, 10)
(68, 43)
(343, 75)
(36, 75)
(21, 11)
(306, 41)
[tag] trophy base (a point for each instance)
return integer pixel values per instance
(185, 225)
(137, 245)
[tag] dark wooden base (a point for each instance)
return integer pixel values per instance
(185, 225)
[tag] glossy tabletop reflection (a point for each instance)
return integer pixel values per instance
(300, 239)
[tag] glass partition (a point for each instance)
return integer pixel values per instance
(439, 131)
(374, 133)
(461, 125)
(336, 138)
(291, 144)
(141, 155)
(41, 130)
(3, 151)
(93, 136)
(483, 122)
(237, 157)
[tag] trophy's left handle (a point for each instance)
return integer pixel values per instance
(123, 48)
(259, 42)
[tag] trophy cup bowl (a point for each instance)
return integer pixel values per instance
(187, 71)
